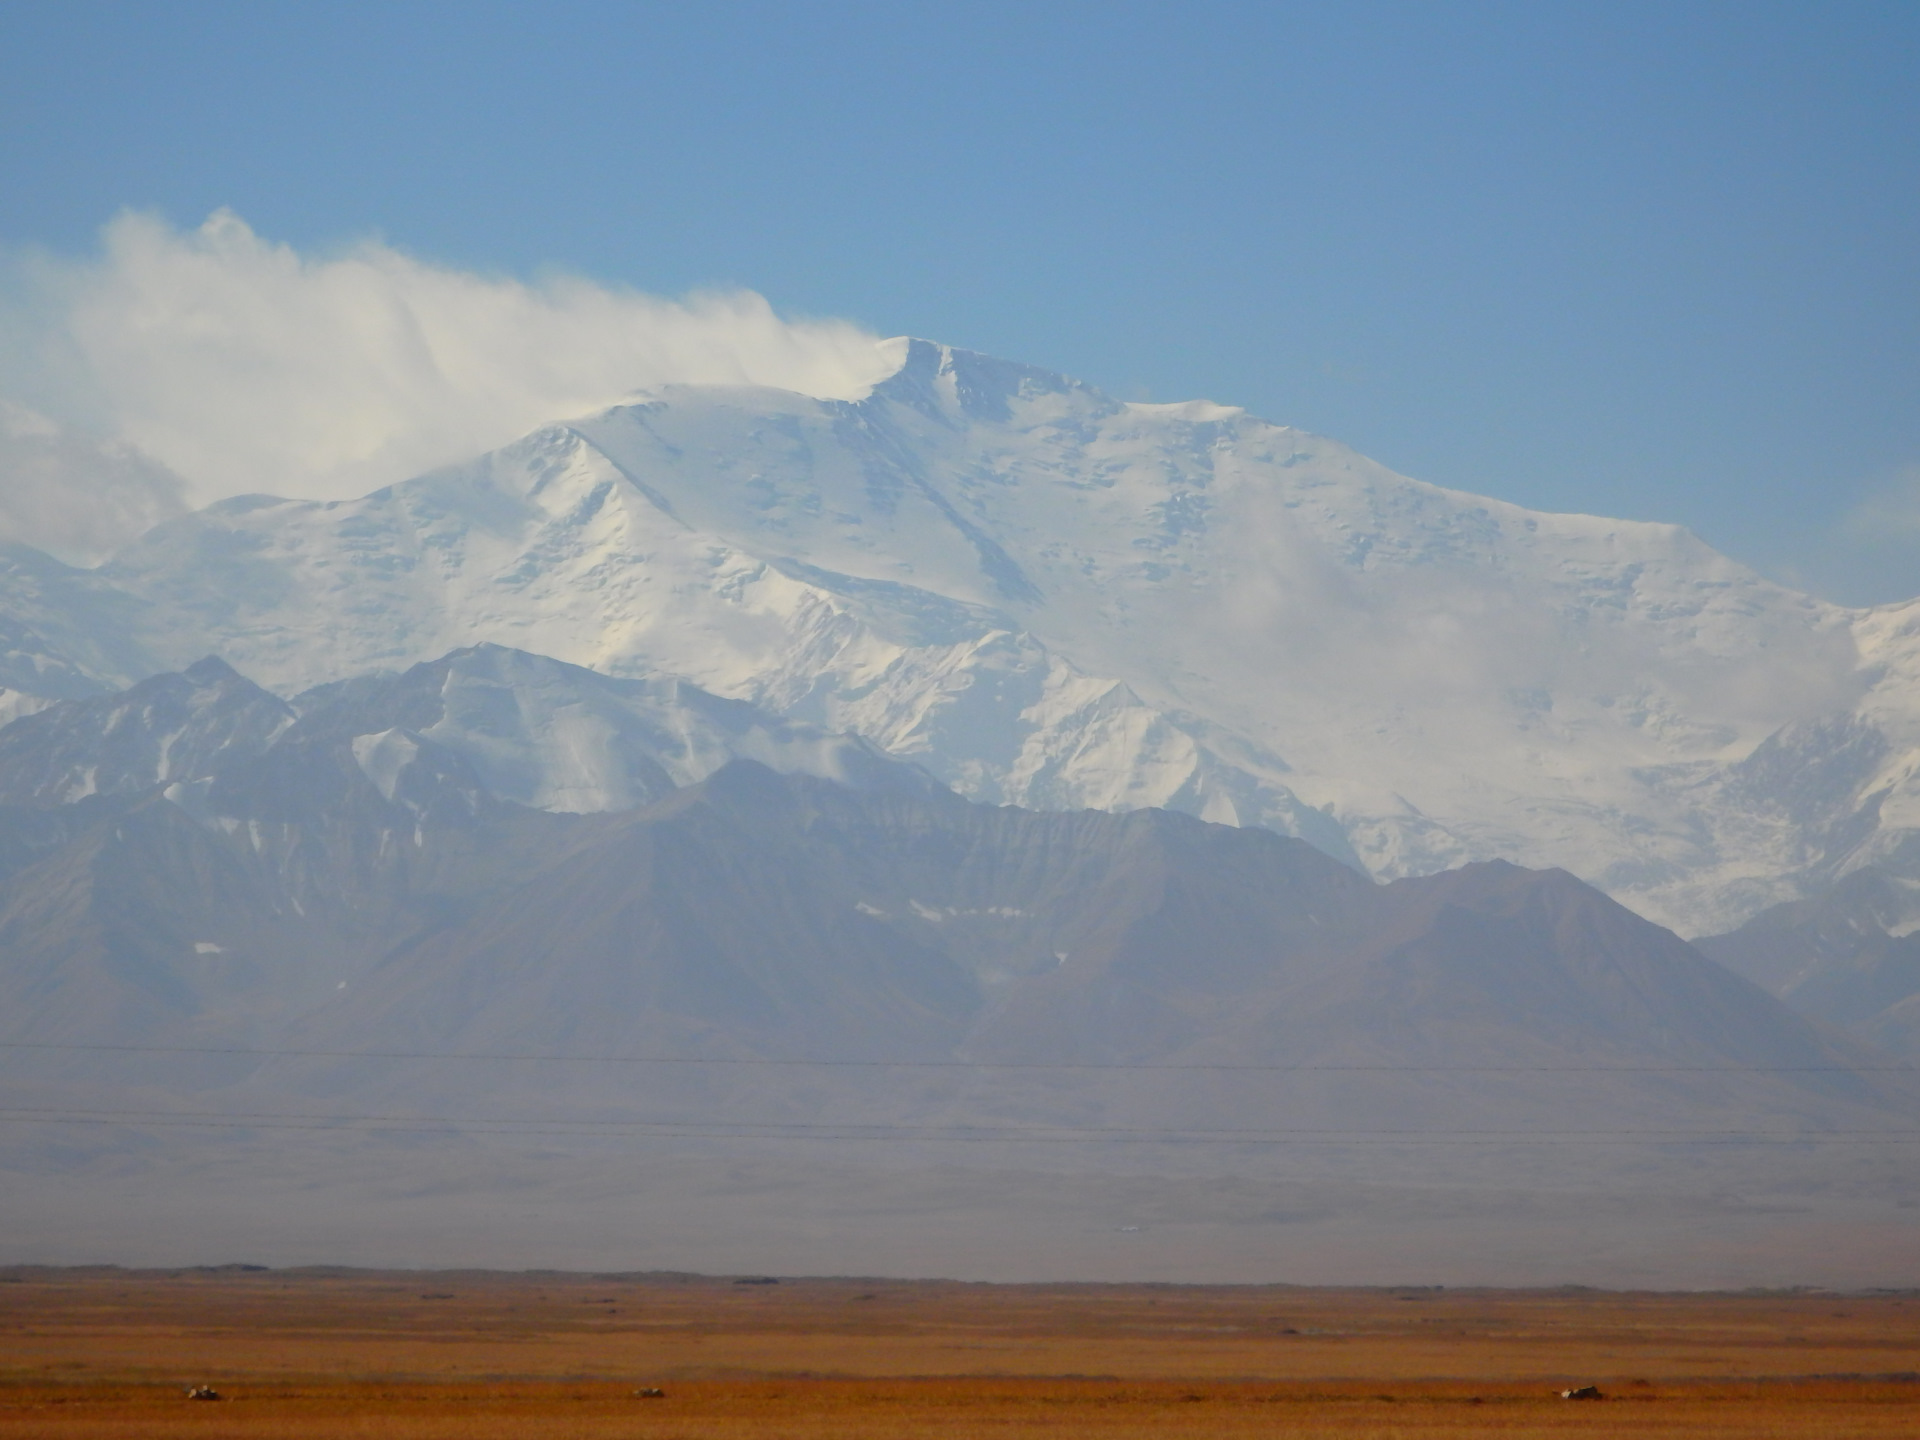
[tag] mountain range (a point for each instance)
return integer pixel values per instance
(197, 856)
(225, 911)
(985, 767)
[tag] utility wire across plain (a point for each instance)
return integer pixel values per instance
(854, 1131)
(980, 1065)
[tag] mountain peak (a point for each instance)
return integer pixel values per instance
(212, 670)
(965, 385)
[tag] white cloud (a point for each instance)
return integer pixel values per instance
(76, 496)
(242, 365)
(1871, 554)
(1888, 512)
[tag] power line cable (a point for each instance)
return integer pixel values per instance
(948, 1134)
(980, 1065)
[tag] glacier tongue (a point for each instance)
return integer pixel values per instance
(1048, 597)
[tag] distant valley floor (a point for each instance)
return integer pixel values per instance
(1608, 1216)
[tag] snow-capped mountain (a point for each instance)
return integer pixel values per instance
(1048, 597)
(525, 729)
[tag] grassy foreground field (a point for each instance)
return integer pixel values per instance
(94, 1353)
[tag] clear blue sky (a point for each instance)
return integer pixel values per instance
(1660, 261)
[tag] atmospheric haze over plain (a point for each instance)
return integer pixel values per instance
(974, 825)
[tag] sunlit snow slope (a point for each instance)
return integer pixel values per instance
(1049, 597)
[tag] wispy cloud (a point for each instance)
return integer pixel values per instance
(79, 497)
(241, 365)
(1870, 555)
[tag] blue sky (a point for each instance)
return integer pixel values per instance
(1657, 261)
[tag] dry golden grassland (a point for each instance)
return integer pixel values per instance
(94, 1353)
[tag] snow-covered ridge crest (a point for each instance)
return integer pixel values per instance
(1046, 596)
(479, 725)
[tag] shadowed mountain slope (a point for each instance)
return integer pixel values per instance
(1849, 957)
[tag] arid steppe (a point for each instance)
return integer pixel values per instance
(107, 1352)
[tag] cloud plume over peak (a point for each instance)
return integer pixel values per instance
(76, 496)
(242, 365)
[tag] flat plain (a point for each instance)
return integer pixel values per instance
(438, 1355)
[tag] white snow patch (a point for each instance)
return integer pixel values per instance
(16, 704)
(383, 757)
